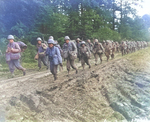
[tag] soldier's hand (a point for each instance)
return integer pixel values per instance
(12, 49)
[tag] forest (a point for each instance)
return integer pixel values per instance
(87, 19)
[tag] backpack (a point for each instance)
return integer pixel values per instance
(61, 51)
(22, 45)
(44, 46)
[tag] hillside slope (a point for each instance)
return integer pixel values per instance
(117, 90)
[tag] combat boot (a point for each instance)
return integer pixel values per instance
(55, 77)
(12, 75)
(24, 72)
(39, 68)
(76, 71)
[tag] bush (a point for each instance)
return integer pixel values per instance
(29, 54)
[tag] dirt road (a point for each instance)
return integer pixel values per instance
(114, 91)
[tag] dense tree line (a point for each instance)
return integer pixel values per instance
(102, 19)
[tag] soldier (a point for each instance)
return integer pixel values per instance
(70, 53)
(57, 45)
(108, 49)
(117, 47)
(41, 49)
(113, 49)
(89, 45)
(123, 47)
(51, 37)
(13, 56)
(104, 43)
(98, 50)
(133, 46)
(54, 57)
(78, 47)
(85, 54)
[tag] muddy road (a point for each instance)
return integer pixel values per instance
(118, 90)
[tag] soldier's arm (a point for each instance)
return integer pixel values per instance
(88, 50)
(17, 49)
(74, 46)
(101, 46)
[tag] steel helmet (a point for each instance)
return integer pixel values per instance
(51, 37)
(67, 38)
(51, 41)
(78, 39)
(39, 39)
(83, 42)
(96, 40)
(107, 41)
(10, 37)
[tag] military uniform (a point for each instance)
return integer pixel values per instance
(98, 51)
(85, 55)
(13, 48)
(42, 56)
(108, 49)
(67, 49)
(55, 58)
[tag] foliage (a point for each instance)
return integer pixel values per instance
(75, 18)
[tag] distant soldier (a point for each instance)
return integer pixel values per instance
(117, 47)
(41, 49)
(98, 50)
(70, 53)
(89, 45)
(138, 45)
(57, 45)
(128, 46)
(113, 49)
(78, 47)
(13, 56)
(145, 44)
(85, 54)
(133, 46)
(108, 49)
(123, 48)
(51, 37)
(55, 58)
(104, 43)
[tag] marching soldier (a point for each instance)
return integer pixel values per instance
(70, 53)
(85, 54)
(98, 50)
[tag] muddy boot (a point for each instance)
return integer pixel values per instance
(76, 71)
(55, 77)
(39, 68)
(24, 72)
(12, 75)
(68, 73)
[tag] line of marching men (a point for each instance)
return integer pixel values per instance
(70, 50)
